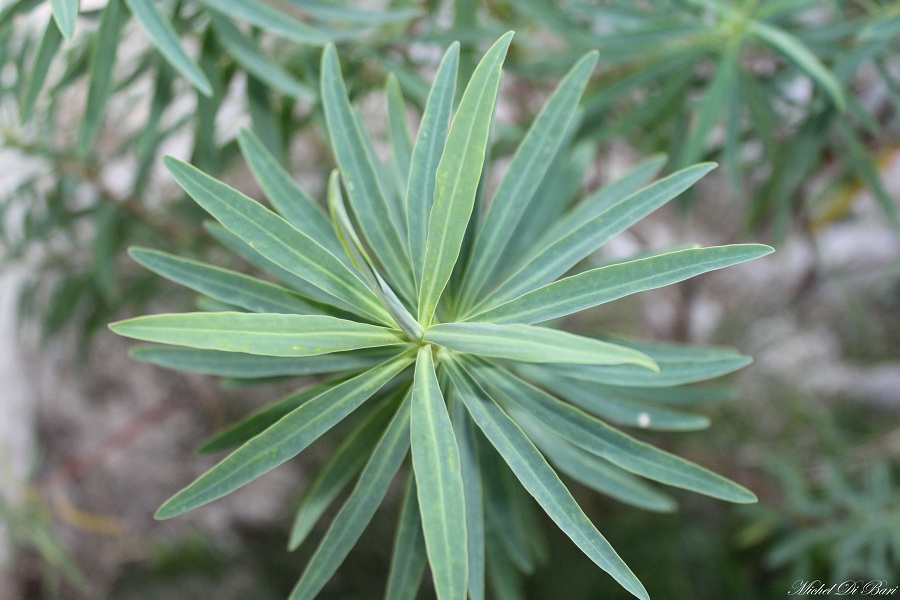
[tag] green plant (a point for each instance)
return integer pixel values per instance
(428, 282)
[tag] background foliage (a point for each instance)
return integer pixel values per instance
(797, 100)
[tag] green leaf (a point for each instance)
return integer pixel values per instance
(439, 482)
(599, 202)
(351, 15)
(224, 285)
(426, 154)
(527, 343)
(408, 557)
(283, 440)
(678, 365)
(794, 50)
(344, 463)
(275, 239)
(715, 101)
(103, 60)
(252, 256)
(50, 43)
(379, 225)
(269, 19)
(540, 480)
(266, 334)
(618, 448)
(244, 52)
(605, 284)
(458, 174)
(258, 421)
(64, 13)
(604, 402)
(163, 36)
(357, 511)
(526, 170)
(295, 205)
(472, 490)
(401, 144)
(596, 473)
(254, 366)
(591, 234)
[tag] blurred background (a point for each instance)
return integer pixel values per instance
(798, 101)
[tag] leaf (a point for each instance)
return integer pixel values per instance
(599, 202)
(458, 174)
(540, 480)
(531, 344)
(426, 154)
(294, 204)
(50, 43)
(163, 36)
(715, 101)
(245, 53)
(275, 239)
(254, 366)
(398, 128)
(64, 13)
(351, 15)
(525, 172)
(678, 365)
(472, 490)
(103, 59)
(270, 19)
(596, 473)
(266, 334)
(435, 458)
(283, 440)
(258, 421)
(343, 464)
(379, 225)
(794, 50)
(582, 291)
(592, 435)
(569, 250)
(408, 557)
(224, 285)
(604, 402)
(357, 511)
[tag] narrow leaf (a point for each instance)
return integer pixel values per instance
(163, 36)
(254, 366)
(64, 13)
(794, 50)
(458, 174)
(50, 43)
(540, 480)
(286, 196)
(526, 170)
(618, 448)
(426, 154)
(408, 557)
(274, 238)
(380, 226)
(283, 440)
(244, 51)
(401, 145)
(344, 463)
(224, 285)
(357, 511)
(605, 284)
(270, 19)
(266, 334)
(439, 482)
(103, 60)
(592, 234)
(473, 492)
(532, 344)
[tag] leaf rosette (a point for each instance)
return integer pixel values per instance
(421, 312)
